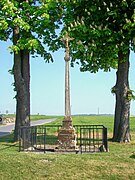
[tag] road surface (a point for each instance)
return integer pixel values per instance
(7, 129)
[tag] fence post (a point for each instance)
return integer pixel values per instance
(44, 139)
(105, 142)
(81, 140)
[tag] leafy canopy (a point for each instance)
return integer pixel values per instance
(100, 29)
(37, 22)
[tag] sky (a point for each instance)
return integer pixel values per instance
(90, 93)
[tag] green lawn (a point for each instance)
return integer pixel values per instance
(32, 117)
(38, 117)
(119, 163)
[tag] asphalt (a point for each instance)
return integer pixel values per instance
(7, 129)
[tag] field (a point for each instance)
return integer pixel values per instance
(118, 163)
(32, 117)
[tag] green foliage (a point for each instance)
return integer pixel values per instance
(37, 22)
(130, 95)
(10, 71)
(113, 90)
(100, 30)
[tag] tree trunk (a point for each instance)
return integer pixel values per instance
(121, 131)
(21, 76)
(25, 59)
(22, 83)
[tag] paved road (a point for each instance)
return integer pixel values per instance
(7, 129)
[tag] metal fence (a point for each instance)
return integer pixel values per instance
(90, 138)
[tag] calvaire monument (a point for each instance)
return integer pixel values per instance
(67, 135)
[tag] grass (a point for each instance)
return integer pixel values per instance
(8, 115)
(118, 164)
(38, 117)
(32, 117)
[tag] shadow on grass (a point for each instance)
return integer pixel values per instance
(110, 139)
(8, 146)
(132, 156)
(9, 138)
(8, 142)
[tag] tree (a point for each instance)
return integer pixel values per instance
(29, 24)
(103, 34)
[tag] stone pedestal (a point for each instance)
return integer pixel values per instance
(67, 137)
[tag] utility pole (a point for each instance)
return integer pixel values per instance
(98, 110)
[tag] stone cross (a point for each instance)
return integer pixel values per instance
(66, 40)
(67, 135)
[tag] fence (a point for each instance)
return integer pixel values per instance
(90, 138)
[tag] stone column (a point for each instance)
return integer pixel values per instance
(67, 119)
(67, 135)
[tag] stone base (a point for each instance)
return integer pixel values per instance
(67, 139)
